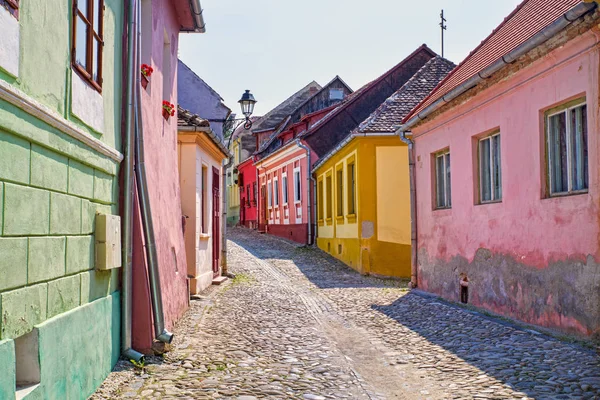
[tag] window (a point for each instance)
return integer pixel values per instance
(339, 191)
(567, 150)
(443, 192)
(255, 192)
(284, 188)
(87, 40)
(490, 171)
(12, 6)
(297, 185)
(320, 205)
(276, 191)
(351, 188)
(248, 194)
(204, 202)
(166, 67)
(270, 193)
(329, 206)
(336, 94)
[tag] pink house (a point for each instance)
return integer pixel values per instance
(506, 156)
(162, 21)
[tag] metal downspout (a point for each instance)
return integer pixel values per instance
(309, 192)
(224, 270)
(128, 197)
(142, 185)
(413, 210)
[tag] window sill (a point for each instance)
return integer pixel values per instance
(442, 209)
(321, 222)
(204, 236)
(483, 203)
(297, 202)
(328, 221)
(351, 218)
(567, 194)
(339, 219)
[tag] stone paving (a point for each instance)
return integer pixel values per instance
(297, 324)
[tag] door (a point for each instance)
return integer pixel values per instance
(216, 240)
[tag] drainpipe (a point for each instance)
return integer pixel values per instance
(127, 250)
(226, 165)
(198, 18)
(142, 185)
(309, 177)
(413, 210)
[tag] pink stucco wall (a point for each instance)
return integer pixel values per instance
(529, 257)
(160, 141)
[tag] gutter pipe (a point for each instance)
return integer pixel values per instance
(413, 210)
(309, 239)
(536, 40)
(142, 185)
(198, 18)
(128, 196)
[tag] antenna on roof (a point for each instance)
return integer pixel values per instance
(444, 27)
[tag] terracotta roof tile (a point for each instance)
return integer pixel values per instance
(390, 114)
(530, 17)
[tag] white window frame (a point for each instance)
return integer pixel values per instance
(297, 182)
(284, 188)
(276, 191)
(447, 196)
(494, 197)
(570, 190)
(269, 194)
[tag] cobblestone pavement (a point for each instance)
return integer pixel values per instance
(297, 324)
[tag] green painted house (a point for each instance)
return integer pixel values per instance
(60, 116)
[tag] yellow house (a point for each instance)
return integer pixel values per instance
(363, 187)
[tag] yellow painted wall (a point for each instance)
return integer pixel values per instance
(377, 239)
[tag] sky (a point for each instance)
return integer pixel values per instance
(276, 47)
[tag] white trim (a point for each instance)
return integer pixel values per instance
(19, 99)
(9, 43)
(283, 153)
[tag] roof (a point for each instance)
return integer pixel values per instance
(390, 114)
(529, 18)
(357, 94)
(272, 119)
(213, 91)
(187, 119)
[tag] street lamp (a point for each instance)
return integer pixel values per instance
(247, 104)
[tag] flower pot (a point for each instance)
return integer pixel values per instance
(166, 114)
(144, 81)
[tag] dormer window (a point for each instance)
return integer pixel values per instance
(336, 94)
(88, 40)
(12, 6)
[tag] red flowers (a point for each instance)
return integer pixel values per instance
(147, 70)
(168, 109)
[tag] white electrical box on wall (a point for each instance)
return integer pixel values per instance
(108, 241)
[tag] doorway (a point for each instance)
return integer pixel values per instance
(216, 203)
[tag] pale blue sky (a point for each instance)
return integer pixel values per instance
(275, 47)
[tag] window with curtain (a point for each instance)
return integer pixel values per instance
(490, 170)
(88, 40)
(567, 139)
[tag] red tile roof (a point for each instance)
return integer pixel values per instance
(529, 18)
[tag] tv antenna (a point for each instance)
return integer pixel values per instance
(444, 27)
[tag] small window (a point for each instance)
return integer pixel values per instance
(88, 40)
(443, 193)
(351, 188)
(320, 205)
(339, 192)
(270, 193)
(12, 6)
(328, 197)
(567, 150)
(276, 191)
(297, 185)
(336, 94)
(284, 188)
(490, 171)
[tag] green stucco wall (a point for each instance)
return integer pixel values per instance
(51, 187)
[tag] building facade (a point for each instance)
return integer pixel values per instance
(201, 156)
(507, 172)
(363, 191)
(60, 149)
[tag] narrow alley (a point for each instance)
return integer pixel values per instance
(295, 323)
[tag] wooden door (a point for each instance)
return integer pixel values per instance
(216, 240)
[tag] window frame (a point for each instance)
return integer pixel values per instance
(351, 187)
(339, 192)
(328, 197)
(297, 185)
(284, 188)
(494, 198)
(12, 6)
(276, 191)
(320, 200)
(87, 74)
(269, 194)
(445, 155)
(564, 108)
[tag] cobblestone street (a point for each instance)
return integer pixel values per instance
(297, 324)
